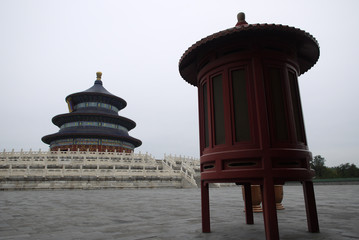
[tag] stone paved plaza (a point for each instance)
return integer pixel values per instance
(169, 214)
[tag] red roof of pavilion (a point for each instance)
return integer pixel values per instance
(307, 45)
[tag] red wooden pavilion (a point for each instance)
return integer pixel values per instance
(250, 115)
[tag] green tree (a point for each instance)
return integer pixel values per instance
(318, 165)
(347, 170)
(330, 172)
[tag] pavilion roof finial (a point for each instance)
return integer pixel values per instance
(241, 17)
(98, 75)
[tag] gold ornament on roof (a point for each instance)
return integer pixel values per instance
(99, 75)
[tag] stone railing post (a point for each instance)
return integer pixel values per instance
(10, 170)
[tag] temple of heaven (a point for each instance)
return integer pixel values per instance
(93, 123)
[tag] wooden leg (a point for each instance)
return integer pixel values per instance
(206, 224)
(310, 206)
(248, 203)
(269, 210)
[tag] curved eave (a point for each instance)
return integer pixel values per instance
(307, 46)
(80, 97)
(59, 120)
(56, 136)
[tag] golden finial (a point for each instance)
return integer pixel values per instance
(241, 17)
(98, 74)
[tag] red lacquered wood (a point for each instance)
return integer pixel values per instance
(248, 203)
(273, 154)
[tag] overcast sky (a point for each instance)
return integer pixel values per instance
(50, 49)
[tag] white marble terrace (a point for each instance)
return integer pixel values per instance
(85, 164)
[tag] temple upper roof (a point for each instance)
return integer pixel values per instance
(96, 93)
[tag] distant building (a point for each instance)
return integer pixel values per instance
(93, 123)
(93, 150)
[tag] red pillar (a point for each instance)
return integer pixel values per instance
(206, 224)
(310, 206)
(269, 209)
(248, 203)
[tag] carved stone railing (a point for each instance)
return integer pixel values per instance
(52, 164)
(187, 166)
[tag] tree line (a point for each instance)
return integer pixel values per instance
(345, 170)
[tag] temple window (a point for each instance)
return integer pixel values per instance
(240, 106)
(278, 108)
(294, 92)
(95, 104)
(205, 114)
(219, 131)
(93, 124)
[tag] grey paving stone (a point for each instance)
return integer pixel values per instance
(169, 214)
